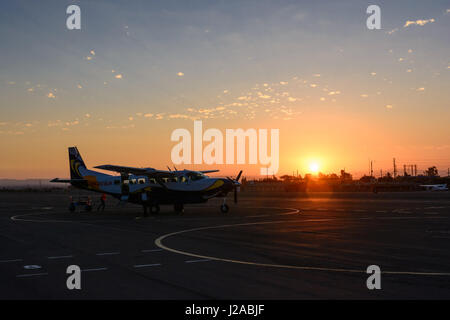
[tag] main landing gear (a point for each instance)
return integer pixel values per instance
(154, 209)
(179, 208)
(224, 208)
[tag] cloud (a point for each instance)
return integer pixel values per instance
(392, 31)
(418, 22)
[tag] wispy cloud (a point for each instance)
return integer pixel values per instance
(417, 22)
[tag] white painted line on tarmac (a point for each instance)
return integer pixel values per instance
(107, 253)
(195, 261)
(60, 257)
(94, 269)
(152, 250)
(11, 260)
(147, 265)
(159, 243)
(31, 275)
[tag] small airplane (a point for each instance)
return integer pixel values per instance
(435, 187)
(150, 187)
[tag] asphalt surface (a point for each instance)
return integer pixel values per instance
(308, 247)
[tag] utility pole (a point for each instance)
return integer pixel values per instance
(371, 168)
(395, 169)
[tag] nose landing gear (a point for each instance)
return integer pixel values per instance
(224, 208)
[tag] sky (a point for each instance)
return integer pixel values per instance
(340, 94)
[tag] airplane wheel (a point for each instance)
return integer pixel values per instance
(155, 209)
(179, 208)
(224, 208)
(145, 211)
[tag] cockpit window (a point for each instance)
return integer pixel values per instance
(195, 176)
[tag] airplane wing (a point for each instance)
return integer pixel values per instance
(57, 180)
(149, 172)
(209, 171)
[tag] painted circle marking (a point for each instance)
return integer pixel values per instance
(159, 243)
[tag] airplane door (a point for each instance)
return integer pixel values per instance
(125, 186)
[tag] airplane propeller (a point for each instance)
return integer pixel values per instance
(236, 184)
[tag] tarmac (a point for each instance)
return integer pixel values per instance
(306, 246)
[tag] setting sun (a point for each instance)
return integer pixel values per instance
(314, 167)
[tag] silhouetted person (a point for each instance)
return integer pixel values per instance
(102, 202)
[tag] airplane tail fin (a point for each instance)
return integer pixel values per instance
(76, 163)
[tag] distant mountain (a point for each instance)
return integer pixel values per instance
(29, 183)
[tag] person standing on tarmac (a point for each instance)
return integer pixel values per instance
(102, 202)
